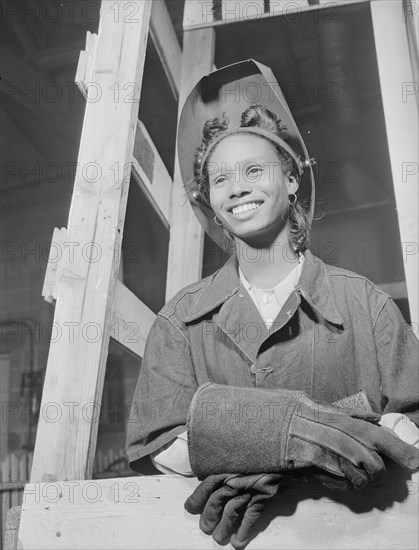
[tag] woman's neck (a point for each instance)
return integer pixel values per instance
(265, 267)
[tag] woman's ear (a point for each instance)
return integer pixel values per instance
(292, 184)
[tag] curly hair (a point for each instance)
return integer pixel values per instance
(260, 117)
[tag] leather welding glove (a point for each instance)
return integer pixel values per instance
(258, 430)
(231, 505)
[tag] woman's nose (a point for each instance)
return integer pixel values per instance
(239, 185)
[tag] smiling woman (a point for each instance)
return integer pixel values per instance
(250, 176)
(242, 370)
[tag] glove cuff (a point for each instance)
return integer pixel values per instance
(228, 427)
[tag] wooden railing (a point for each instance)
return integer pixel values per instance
(16, 469)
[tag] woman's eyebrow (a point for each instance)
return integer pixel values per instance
(255, 159)
(229, 167)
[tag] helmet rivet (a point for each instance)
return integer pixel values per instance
(308, 162)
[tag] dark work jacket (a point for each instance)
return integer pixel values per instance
(336, 334)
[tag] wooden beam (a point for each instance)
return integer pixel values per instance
(151, 174)
(232, 10)
(398, 92)
(186, 235)
(200, 14)
(411, 18)
(166, 43)
(85, 64)
(411, 15)
(146, 512)
(131, 321)
(54, 266)
(67, 428)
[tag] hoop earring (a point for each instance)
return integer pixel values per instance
(217, 221)
(291, 203)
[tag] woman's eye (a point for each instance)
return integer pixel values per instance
(219, 180)
(254, 170)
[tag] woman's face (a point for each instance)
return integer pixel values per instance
(248, 190)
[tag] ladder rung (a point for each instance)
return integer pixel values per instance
(151, 174)
(166, 43)
(131, 321)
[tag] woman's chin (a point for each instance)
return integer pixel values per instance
(260, 237)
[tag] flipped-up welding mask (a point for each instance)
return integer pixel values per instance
(232, 90)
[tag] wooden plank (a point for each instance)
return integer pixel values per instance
(132, 320)
(91, 45)
(411, 18)
(166, 43)
(285, 8)
(147, 512)
(398, 94)
(233, 10)
(54, 266)
(67, 428)
(197, 14)
(200, 12)
(80, 77)
(85, 65)
(186, 235)
(151, 174)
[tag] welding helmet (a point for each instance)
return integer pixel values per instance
(232, 89)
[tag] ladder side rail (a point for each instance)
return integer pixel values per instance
(67, 430)
(186, 235)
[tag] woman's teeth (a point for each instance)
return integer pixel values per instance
(245, 208)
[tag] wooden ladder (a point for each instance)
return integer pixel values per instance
(62, 506)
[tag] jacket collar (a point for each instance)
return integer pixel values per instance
(222, 285)
(314, 286)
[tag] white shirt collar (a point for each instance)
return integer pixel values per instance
(286, 285)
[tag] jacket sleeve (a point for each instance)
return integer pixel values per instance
(164, 391)
(398, 355)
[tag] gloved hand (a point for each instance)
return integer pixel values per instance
(229, 503)
(228, 426)
(336, 483)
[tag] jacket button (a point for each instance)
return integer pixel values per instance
(253, 368)
(241, 295)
